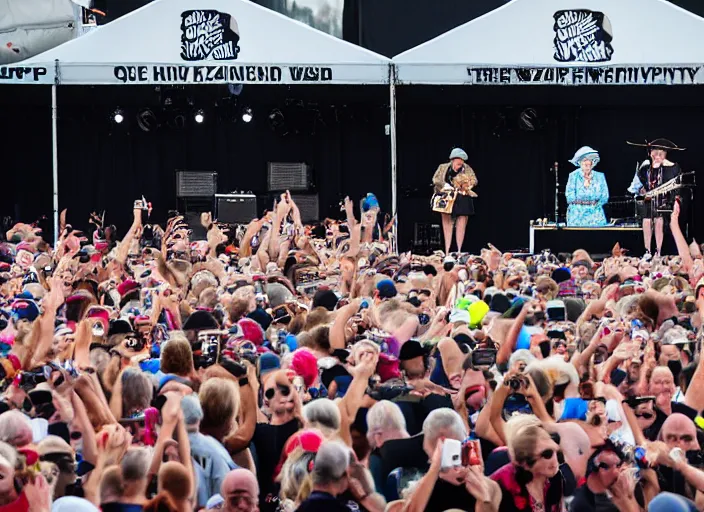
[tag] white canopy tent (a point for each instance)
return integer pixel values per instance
(564, 42)
(188, 42)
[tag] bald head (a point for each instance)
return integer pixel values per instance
(240, 490)
(575, 445)
(678, 431)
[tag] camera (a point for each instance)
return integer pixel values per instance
(516, 382)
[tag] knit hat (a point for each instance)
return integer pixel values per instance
(200, 320)
(369, 202)
(261, 317)
(251, 331)
(24, 309)
(268, 362)
(386, 289)
(499, 303)
(410, 350)
(477, 312)
(561, 274)
(326, 299)
(126, 287)
(305, 365)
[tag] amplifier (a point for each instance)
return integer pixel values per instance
(236, 208)
(288, 176)
(196, 184)
(308, 206)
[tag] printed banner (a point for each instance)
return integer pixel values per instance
(222, 73)
(615, 75)
(26, 74)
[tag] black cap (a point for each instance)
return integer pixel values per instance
(200, 320)
(326, 299)
(410, 350)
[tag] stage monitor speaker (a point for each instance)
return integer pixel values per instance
(236, 208)
(288, 176)
(196, 184)
(308, 206)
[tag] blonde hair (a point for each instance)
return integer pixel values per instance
(220, 401)
(523, 433)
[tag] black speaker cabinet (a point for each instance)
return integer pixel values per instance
(236, 208)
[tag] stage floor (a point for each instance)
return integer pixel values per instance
(562, 238)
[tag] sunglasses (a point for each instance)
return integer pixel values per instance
(646, 415)
(284, 390)
(545, 454)
(416, 292)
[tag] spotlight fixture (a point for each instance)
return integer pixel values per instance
(247, 114)
(146, 120)
(200, 116)
(118, 115)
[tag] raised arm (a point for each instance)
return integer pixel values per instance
(509, 344)
(682, 247)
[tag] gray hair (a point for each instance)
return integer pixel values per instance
(674, 335)
(322, 413)
(15, 427)
(331, 462)
(384, 416)
(192, 411)
(522, 354)
(445, 421)
(135, 464)
(137, 390)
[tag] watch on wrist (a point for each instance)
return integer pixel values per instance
(244, 381)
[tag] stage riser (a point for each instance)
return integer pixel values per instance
(594, 241)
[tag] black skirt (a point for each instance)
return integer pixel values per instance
(463, 207)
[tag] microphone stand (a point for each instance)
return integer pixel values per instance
(555, 170)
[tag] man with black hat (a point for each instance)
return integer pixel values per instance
(651, 174)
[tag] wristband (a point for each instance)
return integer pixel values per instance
(244, 381)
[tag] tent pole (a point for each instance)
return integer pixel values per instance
(55, 155)
(392, 133)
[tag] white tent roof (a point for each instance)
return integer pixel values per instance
(569, 42)
(218, 41)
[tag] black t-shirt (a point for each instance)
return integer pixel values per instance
(447, 496)
(586, 501)
(323, 502)
(673, 481)
(269, 441)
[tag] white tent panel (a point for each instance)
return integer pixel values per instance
(569, 42)
(219, 41)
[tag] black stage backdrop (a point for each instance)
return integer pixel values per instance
(103, 166)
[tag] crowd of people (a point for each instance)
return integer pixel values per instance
(284, 367)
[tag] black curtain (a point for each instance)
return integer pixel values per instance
(513, 164)
(340, 132)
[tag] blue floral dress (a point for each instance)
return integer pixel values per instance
(597, 195)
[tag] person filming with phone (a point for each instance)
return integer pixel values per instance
(456, 478)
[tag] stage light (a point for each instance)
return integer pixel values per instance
(146, 120)
(200, 116)
(247, 114)
(118, 115)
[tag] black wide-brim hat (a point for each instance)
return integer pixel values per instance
(663, 144)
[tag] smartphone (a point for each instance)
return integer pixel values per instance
(484, 357)
(556, 311)
(451, 454)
